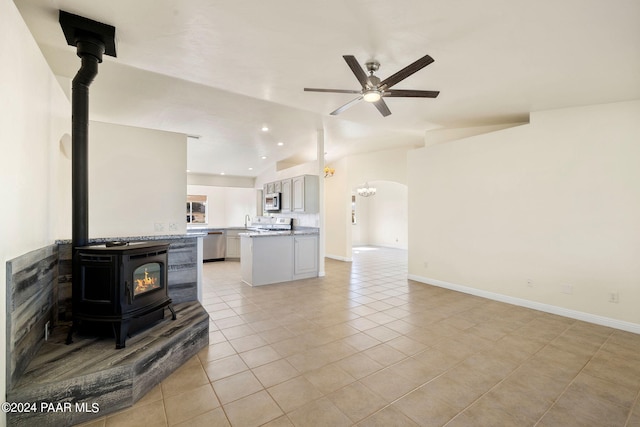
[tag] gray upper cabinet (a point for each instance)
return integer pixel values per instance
(304, 194)
(285, 198)
(269, 188)
(299, 194)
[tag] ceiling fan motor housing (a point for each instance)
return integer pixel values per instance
(373, 82)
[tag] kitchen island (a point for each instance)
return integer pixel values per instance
(278, 256)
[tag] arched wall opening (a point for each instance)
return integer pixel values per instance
(381, 219)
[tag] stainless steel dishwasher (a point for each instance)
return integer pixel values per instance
(214, 246)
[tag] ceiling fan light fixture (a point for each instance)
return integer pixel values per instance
(372, 95)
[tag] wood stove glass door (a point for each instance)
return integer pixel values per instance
(147, 278)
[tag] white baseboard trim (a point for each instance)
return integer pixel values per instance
(547, 308)
(339, 258)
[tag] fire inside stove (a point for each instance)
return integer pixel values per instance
(146, 278)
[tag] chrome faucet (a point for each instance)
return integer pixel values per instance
(247, 219)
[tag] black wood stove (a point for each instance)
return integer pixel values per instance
(121, 285)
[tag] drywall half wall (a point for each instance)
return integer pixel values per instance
(542, 215)
(34, 115)
(137, 183)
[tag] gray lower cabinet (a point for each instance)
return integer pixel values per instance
(274, 259)
(305, 256)
(266, 259)
(233, 245)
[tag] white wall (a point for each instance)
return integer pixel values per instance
(556, 202)
(309, 168)
(360, 230)
(382, 219)
(137, 179)
(226, 206)
(386, 216)
(220, 181)
(34, 114)
(337, 202)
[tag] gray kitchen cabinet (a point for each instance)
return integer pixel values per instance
(285, 197)
(266, 259)
(304, 194)
(299, 194)
(269, 188)
(305, 256)
(233, 245)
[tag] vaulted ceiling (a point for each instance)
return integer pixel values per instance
(220, 70)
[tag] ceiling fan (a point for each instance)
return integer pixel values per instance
(373, 89)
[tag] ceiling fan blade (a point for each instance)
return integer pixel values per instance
(352, 62)
(382, 107)
(412, 93)
(345, 106)
(406, 72)
(309, 89)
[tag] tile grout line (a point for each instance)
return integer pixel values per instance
(574, 378)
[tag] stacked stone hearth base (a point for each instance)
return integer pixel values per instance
(89, 378)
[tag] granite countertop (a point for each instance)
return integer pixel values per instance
(252, 232)
(268, 233)
(99, 240)
(196, 232)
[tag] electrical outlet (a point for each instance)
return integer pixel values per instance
(567, 289)
(529, 283)
(614, 297)
(173, 226)
(158, 226)
(426, 264)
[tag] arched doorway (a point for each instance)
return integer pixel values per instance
(381, 219)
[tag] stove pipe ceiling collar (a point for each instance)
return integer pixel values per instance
(77, 28)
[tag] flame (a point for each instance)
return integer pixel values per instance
(146, 284)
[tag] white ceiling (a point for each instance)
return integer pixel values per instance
(221, 69)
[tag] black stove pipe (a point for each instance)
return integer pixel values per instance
(90, 51)
(91, 39)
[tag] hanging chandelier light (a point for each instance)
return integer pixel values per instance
(366, 191)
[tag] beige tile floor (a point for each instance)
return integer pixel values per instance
(365, 346)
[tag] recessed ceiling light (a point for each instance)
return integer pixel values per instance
(250, 169)
(264, 157)
(265, 129)
(280, 144)
(221, 173)
(188, 170)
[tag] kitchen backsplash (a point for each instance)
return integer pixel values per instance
(301, 219)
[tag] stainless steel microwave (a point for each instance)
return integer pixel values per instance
(272, 202)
